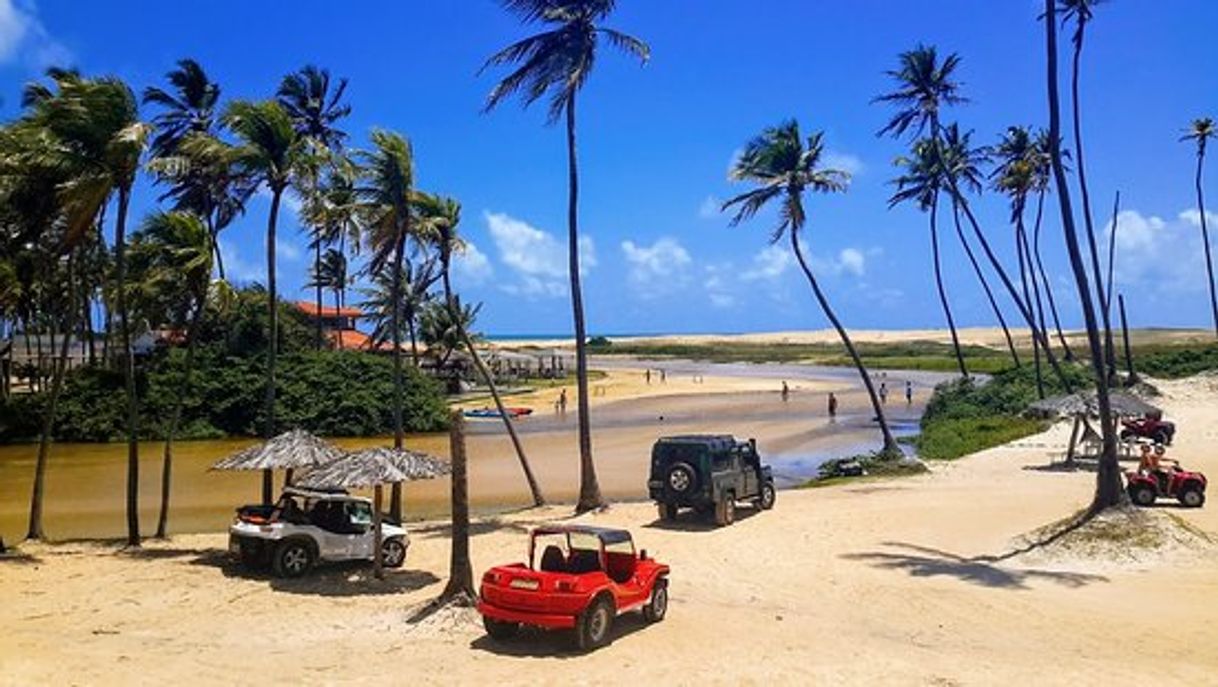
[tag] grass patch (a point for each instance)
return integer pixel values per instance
(952, 438)
(875, 465)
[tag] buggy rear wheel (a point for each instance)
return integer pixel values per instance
(393, 553)
(293, 558)
(594, 625)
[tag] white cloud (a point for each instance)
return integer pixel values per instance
(538, 258)
(770, 263)
(658, 268)
(471, 265)
(717, 286)
(710, 208)
(23, 37)
(1160, 255)
(846, 162)
(237, 268)
(1193, 217)
(286, 249)
(852, 261)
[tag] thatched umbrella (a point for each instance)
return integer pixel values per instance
(289, 451)
(1083, 405)
(374, 468)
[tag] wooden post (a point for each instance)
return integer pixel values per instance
(461, 575)
(1073, 440)
(1133, 376)
(378, 568)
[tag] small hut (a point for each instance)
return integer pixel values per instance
(290, 451)
(1083, 407)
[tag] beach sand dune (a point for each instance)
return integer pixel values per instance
(876, 582)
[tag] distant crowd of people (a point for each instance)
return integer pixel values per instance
(832, 398)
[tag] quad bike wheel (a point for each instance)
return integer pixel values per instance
(1162, 437)
(655, 609)
(1192, 497)
(1142, 495)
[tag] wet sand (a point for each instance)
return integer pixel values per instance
(86, 482)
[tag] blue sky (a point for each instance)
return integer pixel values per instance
(656, 142)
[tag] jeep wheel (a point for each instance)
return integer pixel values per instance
(593, 627)
(766, 500)
(681, 479)
(1142, 495)
(500, 630)
(668, 511)
(393, 553)
(1192, 497)
(293, 559)
(656, 608)
(725, 511)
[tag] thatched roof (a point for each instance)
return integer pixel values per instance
(1086, 403)
(295, 449)
(374, 466)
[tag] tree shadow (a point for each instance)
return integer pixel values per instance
(538, 643)
(343, 579)
(444, 530)
(693, 521)
(15, 557)
(924, 561)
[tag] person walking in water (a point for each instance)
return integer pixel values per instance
(908, 392)
(832, 406)
(786, 391)
(883, 392)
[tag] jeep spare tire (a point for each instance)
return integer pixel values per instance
(681, 479)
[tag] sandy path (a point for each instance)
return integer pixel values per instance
(864, 584)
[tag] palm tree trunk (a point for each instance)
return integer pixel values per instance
(399, 249)
(215, 243)
(1205, 235)
(414, 340)
(1133, 375)
(317, 279)
(455, 312)
(989, 294)
(338, 306)
(1025, 266)
(48, 421)
(1100, 289)
(947, 311)
(891, 449)
(1068, 353)
(1108, 491)
(589, 489)
(378, 564)
(133, 409)
(460, 569)
(272, 343)
(175, 418)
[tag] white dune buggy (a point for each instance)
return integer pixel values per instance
(306, 527)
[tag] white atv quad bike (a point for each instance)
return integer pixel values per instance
(306, 527)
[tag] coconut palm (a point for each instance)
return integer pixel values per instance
(924, 85)
(269, 152)
(1201, 131)
(441, 216)
(315, 110)
(1108, 490)
(784, 166)
(98, 134)
(1081, 12)
(174, 254)
(557, 63)
(920, 182)
(1043, 175)
(1015, 176)
(188, 107)
(331, 273)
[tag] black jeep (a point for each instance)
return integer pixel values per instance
(708, 473)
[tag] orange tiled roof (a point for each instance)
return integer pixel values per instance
(310, 309)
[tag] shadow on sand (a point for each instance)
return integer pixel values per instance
(924, 561)
(535, 643)
(692, 521)
(478, 527)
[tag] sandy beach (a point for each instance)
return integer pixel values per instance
(877, 582)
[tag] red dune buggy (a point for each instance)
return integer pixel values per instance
(1186, 486)
(585, 577)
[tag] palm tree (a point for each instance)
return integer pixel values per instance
(378, 304)
(442, 215)
(331, 273)
(189, 109)
(924, 87)
(96, 123)
(1081, 12)
(314, 109)
(388, 195)
(175, 254)
(460, 585)
(1043, 175)
(783, 167)
(269, 152)
(1201, 131)
(1108, 491)
(558, 62)
(920, 182)
(1015, 176)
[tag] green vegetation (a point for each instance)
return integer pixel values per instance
(877, 465)
(1173, 361)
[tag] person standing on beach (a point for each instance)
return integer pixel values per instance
(785, 391)
(663, 376)
(832, 406)
(647, 374)
(908, 392)
(884, 392)
(562, 402)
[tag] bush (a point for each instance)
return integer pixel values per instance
(948, 439)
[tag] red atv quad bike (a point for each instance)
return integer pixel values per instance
(1150, 427)
(584, 579)
(1186, 486)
